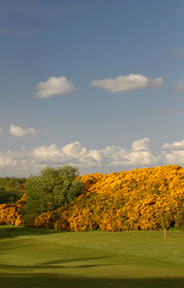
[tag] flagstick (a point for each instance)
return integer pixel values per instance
(165, 234)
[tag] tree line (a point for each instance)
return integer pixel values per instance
(141, 199)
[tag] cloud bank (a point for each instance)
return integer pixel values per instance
(128, 83)
(111, 158)
(54, 86)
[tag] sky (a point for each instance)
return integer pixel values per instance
(96, 84)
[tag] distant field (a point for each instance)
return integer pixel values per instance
(31, 257)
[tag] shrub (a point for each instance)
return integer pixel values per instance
(180, 219)
(51, 189)
(10, 196)
(142, 199)
(12, 213)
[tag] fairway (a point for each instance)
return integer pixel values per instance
(31, 257)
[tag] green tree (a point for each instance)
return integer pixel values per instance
(11, 184)
(51, 189)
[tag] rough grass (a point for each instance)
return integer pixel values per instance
(32, 257)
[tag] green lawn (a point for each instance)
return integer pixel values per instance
(31, 257)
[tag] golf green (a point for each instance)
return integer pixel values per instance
(32, 257)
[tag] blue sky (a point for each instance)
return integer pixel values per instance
(98, 84)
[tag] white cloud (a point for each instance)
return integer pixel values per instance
(55, 86)
(177, 87)
(173, 153)
(74, 150)
(140, 145)
(7, 161)
(49, 154)
(174, 146)
(111, 158)
(19, 132)
(1, 130)
(128, 83)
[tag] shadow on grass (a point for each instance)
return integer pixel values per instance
(11, 231)
(15, 267)
(73, 260)
(40, 280)
(48, 265)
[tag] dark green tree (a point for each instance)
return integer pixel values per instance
(51, 189)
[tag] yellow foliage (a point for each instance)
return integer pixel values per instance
(12, 213)
(141, 199)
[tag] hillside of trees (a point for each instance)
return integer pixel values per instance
(141, 199)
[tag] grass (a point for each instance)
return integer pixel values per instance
(32, 258)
